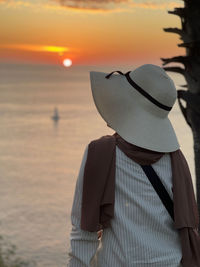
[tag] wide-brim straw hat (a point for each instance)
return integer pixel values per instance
(136, 105)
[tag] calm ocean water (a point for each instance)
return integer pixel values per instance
(39, 159)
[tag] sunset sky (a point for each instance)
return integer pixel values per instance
(87, 31)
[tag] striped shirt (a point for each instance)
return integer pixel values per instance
(142, 233)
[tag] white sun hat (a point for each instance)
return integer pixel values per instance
(136, 105)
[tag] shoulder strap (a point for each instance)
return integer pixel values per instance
(159, 188)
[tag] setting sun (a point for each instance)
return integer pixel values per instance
(67, 62)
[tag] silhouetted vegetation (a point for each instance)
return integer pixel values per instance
(9, 258)
(190, 68)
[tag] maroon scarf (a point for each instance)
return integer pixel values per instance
(99, 191)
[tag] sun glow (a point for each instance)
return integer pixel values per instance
(55, 49)
(37, 48)
(67, 62)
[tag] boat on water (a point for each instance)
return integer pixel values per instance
(55, 116)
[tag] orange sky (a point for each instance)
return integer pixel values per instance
(87, 31)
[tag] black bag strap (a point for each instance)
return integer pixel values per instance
(159, 188)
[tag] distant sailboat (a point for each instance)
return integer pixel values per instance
(55, 116)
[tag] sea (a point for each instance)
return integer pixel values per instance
(40, 158)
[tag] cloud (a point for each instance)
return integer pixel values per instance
(92, 4)
(155, 5)
(113, 5)
(62, 5)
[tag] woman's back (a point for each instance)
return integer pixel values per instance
(142, 232)
(136, 106)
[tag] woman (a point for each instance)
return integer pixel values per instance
(134, 186)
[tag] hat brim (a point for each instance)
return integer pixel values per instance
(121, 107)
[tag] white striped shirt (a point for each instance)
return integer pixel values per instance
(141, 233)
